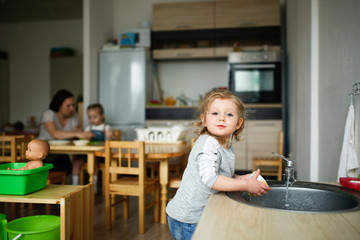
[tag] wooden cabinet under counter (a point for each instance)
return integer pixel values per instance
(247, 13)
(183, 16)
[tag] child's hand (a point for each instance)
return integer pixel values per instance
(255, 187)
(85, 135)
(108, 134)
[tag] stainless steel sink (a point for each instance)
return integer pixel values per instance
(303, 197)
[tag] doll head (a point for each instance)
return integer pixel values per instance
(37, 150)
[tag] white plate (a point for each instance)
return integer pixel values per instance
(81, 142)
(59, 142)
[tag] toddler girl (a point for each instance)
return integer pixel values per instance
(211, 163)
(100, 131)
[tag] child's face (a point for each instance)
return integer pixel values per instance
(222, 118)
(95, 118)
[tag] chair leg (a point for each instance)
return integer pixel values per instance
(126, 206)
(82, 171)
(108, 211)
(48, 209)
(13, 210)
(112, 207)
(157, 204)
(142, 213)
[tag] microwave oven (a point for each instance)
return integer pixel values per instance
(255, 77)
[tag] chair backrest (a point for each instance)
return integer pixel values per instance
(126, 158)
(13, 147)
(21, 146)
(117, 134)
(7, 149)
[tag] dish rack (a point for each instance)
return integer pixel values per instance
(161, 134)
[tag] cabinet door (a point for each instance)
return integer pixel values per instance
(262, 138)
(183, 16)
(247, 13)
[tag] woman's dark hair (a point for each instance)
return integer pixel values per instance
(59, 98)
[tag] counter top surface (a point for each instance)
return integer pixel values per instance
(224, 218)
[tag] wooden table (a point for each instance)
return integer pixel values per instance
(162, 153)
(76, 207)
(88, 150)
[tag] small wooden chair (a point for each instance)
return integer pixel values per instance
(11, 148)
(270, 166)
(101, 166)
(125, 174)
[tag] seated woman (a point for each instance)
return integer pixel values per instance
(60, 121)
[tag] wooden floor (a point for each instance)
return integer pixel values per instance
(122, 229)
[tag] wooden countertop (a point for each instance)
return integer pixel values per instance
(224, 218)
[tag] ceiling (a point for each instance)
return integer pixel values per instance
(15, 11)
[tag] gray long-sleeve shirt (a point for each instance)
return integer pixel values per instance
(207, 160)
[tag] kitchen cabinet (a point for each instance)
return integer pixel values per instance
(190, 30)
(260, 139)
(183, 16)
(184, 53)
(247, 13)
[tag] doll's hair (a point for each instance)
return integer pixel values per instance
(98, 107)
(43, 145)
(204, 107)
(59, 98)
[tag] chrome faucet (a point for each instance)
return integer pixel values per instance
(289, 170)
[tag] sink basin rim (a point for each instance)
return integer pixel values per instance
(333, 189)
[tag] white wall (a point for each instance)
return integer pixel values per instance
(339, 34)
(338, 69)
(98, 25)
(28, 45)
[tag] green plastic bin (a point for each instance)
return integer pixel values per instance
(40, 227)
(21, 182)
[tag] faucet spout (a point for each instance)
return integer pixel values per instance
(289, 170)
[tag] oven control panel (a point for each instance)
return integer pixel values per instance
(258, 56)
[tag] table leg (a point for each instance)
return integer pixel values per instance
(64, 219)
(164, 178)
(90, 166)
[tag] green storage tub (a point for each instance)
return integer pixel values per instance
(40, 227)
(22, 182)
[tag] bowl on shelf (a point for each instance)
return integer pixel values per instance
(81, 142)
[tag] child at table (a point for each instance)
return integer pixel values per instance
(100, 131)
(211, 163)
(37, 150)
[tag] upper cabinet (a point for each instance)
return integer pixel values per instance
(210, 29)
(183, 16)
(247, 13)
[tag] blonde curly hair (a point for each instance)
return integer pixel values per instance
(204, 107)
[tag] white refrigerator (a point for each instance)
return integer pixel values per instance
(122, 83)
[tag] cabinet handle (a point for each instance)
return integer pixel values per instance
(247, 23)
(183, 26)
(182, 54)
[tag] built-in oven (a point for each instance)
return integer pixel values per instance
(255, 77)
